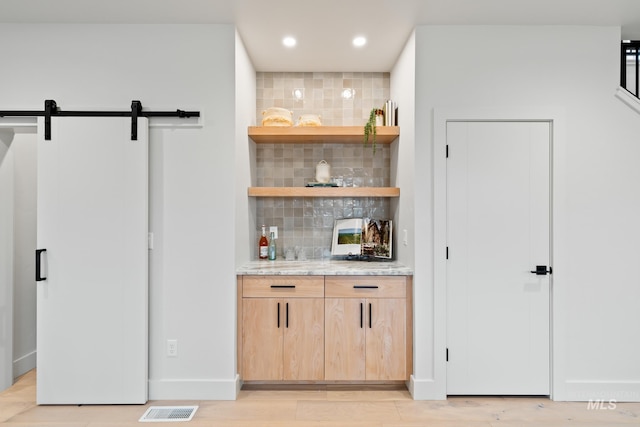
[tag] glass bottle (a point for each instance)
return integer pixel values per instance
(263, 245)
(272, 246)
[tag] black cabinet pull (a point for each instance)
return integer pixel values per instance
(361, 316)
(369, 315)
(39, 277)
(287, 315)
(365, 287)
(283, 286)
(278, 315)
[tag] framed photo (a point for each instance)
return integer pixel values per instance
(347, 237)
(363, 237)
(377, 238)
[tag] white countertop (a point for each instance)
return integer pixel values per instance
(324, 268)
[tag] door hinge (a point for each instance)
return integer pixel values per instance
(447, 151)
(447, 252)
(447, 354)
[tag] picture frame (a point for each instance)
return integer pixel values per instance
(377, 238)
(347, 237)
(363, 237)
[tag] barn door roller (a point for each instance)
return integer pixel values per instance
(51, 110)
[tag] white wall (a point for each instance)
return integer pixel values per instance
(245, 207)
(192, 271)
(596, 287)
(402, 84)
(24, 285)
(245, 154)
(6, 257)
(403, 165)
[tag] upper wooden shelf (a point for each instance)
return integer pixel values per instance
(320, 134)
(324, 192)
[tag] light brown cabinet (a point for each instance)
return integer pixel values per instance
(345, 346)
(263, 339)
(324, 328)
(283, 328)
(366, 328)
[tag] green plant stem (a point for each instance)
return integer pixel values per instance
(370, 129)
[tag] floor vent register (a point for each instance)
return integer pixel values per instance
(168, 414)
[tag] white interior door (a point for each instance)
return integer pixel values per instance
(497, 233)
(93, 222)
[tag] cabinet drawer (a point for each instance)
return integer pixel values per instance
(365, 286)
(282, 286)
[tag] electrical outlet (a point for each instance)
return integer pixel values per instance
(274, 229)
(172, 348)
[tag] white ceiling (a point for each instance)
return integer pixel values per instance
(324, 28)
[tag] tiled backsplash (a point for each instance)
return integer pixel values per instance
(294, 165)
(322, 94)
(307, 223)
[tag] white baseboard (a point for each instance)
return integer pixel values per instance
(194, 389)
(584, 391)
(425, 389)
(24, 364)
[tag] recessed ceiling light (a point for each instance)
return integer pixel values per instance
(289, 41)
(359, 41)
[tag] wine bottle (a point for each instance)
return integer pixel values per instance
(272, 246)
(263, 245)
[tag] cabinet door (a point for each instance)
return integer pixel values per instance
(385, 339)
(262, 342)
(345, 339)
(304, 339)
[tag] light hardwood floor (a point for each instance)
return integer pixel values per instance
(322, 408)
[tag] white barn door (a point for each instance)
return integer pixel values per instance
(498, 232)
(92, 308)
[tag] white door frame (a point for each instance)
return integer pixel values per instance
(7, 274)
(6, 257)
(555, 116)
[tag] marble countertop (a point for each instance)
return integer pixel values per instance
(324, 268)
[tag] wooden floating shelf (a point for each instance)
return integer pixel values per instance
(324, 192)
(320, 134)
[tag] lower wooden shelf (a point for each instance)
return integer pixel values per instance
(324, 192)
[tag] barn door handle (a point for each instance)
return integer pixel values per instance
(39, 277)
(541, 270)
